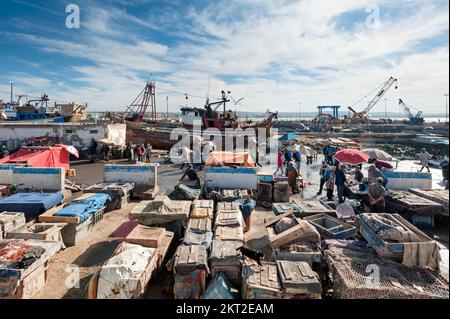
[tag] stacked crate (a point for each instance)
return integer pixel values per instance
(190, 260)
(228, 237)
(280, 280)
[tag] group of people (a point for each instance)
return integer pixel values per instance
(333, 176)
(105, 151)
(141, 153)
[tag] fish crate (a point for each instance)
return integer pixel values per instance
(298, 281)
(25, 287)
(332, 228)
(391, 250)
(264, 192)
(288, 236)
(146, 236)
(281, 192)
(312, 206)
(220, 287)
(41, 231)
(119, 192)
(225, 258)
(419, 210)
(439, 196)
(227, 233)
(227, 206)
(231, 195)
(11, 222)
(229, 218)
(125, 275)
(202, 209)
(201, 225)
(313, 258)
(191, 285)
(75, 230)
(24, 283)
(281, 208)
(190, 266)
(163, 212)
(260, 282)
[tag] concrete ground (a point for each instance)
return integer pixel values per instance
(84, 259)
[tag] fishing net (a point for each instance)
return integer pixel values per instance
(359, 274)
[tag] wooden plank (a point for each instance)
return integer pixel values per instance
(48, 216)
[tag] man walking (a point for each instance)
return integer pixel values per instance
(424, 158)
(323, 168)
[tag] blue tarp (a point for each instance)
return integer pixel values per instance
(220, 288)
(288, 137)
(31, 204)
(84, 208)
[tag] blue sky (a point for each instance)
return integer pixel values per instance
(274, 54)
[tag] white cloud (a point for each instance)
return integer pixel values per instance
(272, 53)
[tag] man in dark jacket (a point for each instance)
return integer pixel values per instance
(341, 181)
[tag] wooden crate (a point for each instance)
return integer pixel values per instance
(439, 196)
(32, 283)
(202, 225)
(24, 283)
(312, 206)
(227, 206)
(281, 192)
(260, 282)
(229, 218)
(147, 214)
(202, 209)
(286, 237)
(146, 236)
(142, 283)
(225, 257)
(226, 233)
(41, 231)
(332, 228)
(386, 249)
(298, 279)
(191, 285)
(73, 233)
(11, 222)
(281, 208)
(418, 209)
(264, 192)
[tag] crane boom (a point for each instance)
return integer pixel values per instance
(414, 119)
(380, 94)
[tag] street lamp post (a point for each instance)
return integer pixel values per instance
(446, 107)
(12, 95)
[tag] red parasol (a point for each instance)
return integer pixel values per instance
(351, 156)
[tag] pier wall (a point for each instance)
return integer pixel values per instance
(49, 179)
(16, 134)
(407, 180)
(141, 176)
(231, 178)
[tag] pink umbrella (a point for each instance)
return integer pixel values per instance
(351, 156)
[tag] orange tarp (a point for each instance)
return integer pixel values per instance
(229, 158)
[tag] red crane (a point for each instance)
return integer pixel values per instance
(136, 111)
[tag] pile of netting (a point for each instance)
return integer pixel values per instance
(358, 273)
